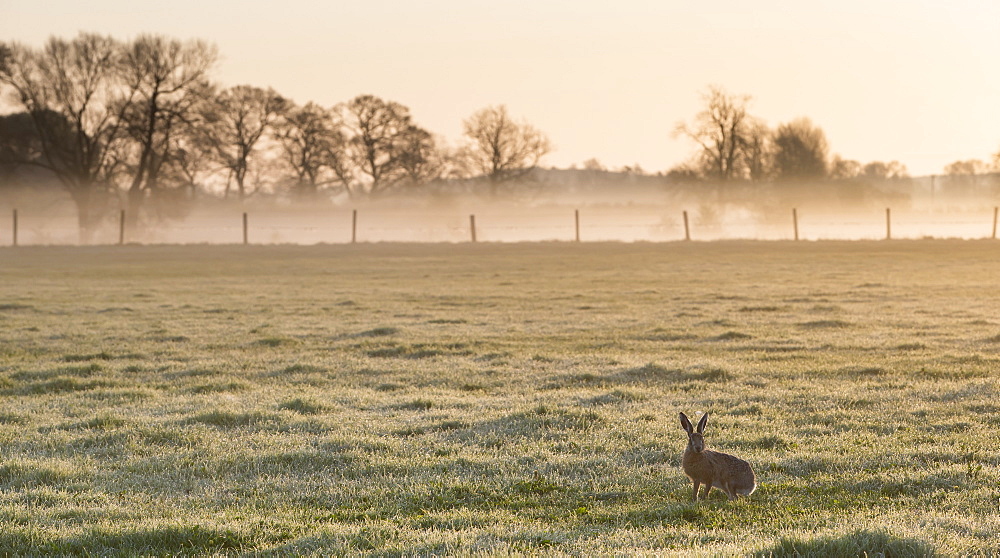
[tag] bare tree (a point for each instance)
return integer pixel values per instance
(758, 150)
(313, 146)
(970, 167)
(233, 122)
(721, 130)
(966, 173)
(420, 158)
(377, 130)
(501, 149)
(71, 91)
(166, 79)
(878, 170)
(800, 151)
(191, 165)
(844, 169)
(5, 56)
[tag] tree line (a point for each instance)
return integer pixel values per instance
(140, 125)
(136, 124)
(735, 145)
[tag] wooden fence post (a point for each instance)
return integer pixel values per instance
(687, 229)
(354, 226)
(15, 228)
(472, 226)
(121, 228)
(246, 239)
(576, 213)
(995, 211)
(795, 223)
(888, 225)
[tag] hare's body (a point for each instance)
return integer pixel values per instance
(714, 469)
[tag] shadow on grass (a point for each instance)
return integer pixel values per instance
(541, 423)
(649, 374)
(858, 543)
(167, 540)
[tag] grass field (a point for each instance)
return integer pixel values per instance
(497, 398)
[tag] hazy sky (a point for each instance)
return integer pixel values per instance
(912, 80)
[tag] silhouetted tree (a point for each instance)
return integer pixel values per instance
(758, 156)
(419, 157)
(686, 173)
(233, 122)
(501, 149)
(970, 167)
(844, 169)
(378, 131)
(722, 130)
(800, 151)
(70, 89)
(19, 143)
(878, 170)
(166, 79)
(313, 146)
(190, 165)
(966, 173)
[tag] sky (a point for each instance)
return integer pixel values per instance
(916, 81)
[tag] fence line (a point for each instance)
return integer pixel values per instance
(473, 234)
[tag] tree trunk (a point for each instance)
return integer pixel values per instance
(134, 202)
(87, 216)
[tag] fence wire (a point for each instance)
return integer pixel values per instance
(341, 227)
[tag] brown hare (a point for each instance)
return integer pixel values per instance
(730, 474)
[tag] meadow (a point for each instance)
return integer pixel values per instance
(413, 399)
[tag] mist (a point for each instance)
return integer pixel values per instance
(557, 206)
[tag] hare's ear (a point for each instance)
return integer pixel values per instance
(702, 423)
(686, 424)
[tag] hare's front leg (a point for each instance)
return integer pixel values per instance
(694, 498)
(708, 488)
